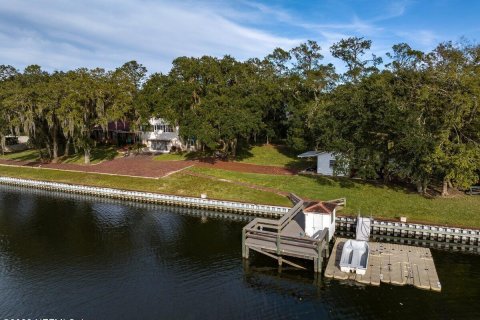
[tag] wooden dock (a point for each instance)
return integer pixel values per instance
(282, 238)
(390, 263)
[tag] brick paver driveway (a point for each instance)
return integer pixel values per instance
(145, 166)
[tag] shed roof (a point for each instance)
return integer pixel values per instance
(310, 154)
(320, 207)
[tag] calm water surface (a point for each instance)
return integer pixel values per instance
(63, 256)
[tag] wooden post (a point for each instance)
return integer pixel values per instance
(278, 244)
(318, 261)
(245, 250)
(327, 244)
(317, 279)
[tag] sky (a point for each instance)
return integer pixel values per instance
(64, 35)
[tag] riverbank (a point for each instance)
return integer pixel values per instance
(149, 197)
(178, 183)
(369, 199)
(379, 201)
(420, 234)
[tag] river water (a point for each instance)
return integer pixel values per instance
(64, 256)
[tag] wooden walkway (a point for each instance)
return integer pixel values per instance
(390, 263)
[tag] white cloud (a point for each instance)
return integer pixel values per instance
(90, 33)
(394, 9)
(272, 12)
(425, 39)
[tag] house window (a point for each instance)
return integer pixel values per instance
(332, 163)
(162, 128)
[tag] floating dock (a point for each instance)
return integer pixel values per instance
(389, 263)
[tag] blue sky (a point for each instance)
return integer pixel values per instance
(61, 35)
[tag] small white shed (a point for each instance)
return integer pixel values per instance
(318, 216)
(325, 162)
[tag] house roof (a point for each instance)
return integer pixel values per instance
(310, 154)
(320, 207)
(158, 121)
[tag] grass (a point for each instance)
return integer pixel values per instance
(379, 201)
(99, 154)
(272, 155)
(179, 184)
(26, 155)
(170, 157)
(265, 155)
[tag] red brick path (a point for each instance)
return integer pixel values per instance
(145, 166)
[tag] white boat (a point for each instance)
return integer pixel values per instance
(354, 257)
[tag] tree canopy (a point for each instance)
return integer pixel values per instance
(414, 118)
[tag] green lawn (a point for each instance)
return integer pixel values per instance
(170, 157)
(273, 155)
(26, 155)
(266, 155)
(179, 184)
(366, 198)
(99, 154)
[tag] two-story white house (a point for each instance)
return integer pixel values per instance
(161, 137)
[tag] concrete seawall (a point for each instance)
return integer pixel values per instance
(442, 237)
(147, 197)
(433, 236)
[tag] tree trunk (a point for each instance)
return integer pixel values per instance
(450, 185)
(234, 147)
(445, 188)
(3, 144)
(67, 148)
(424, 186)
(49, 150)
(419, 187)
(87, 155)
(55, 148)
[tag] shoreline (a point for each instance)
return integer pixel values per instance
(149, 197)
(186, 185)
(465, 239)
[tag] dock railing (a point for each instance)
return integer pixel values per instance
(340, 202)
(265, 236)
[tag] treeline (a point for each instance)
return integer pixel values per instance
(414, 117)
(59, 110)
